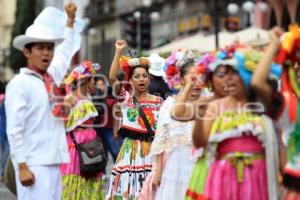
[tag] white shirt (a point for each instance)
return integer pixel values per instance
(34, 134)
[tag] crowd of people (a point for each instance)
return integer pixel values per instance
(194, 126)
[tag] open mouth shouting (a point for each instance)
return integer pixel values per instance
(46, 61)
(142, 85)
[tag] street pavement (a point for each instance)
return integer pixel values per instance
(5, 194)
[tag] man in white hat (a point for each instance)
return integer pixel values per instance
(157, 85)
(37, 139)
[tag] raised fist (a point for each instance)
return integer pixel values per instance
(120, 44)
(70, 9)
(275, 34)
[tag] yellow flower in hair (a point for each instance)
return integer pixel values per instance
(251, 59)
(144, 61)
(123, 61)
(290, 37)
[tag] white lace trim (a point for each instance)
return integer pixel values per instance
(81, 121)
(245, 129)
(168, 144)
(170, 133)
(242, 130)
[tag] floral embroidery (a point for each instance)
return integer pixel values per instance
(150, 117)
(132, 113)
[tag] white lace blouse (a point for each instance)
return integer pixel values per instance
(170, 133)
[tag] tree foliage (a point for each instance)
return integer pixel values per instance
(26, 11)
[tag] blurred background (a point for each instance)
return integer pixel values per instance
(147, 25)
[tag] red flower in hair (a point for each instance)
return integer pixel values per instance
(124, 65)
(171, 70)
(200, 69)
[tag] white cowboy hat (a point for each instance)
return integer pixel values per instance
(157, 64)
(36, 33)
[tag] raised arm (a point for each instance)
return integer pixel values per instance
(207, 113)
(114, 68)
(259, 83)
(70, 9)
(184, 110)
(63, 53)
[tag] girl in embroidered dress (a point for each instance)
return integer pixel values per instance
(133, 163)
(80, 120)
(182, 111)
(174, 138)
(238, 140)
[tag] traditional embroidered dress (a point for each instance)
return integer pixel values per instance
(175, 139)
(195, 190)
(239, 151)
(75, 186)
(133, 163)
(289, 56)
(290, 125)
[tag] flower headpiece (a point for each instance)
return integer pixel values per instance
(84, 70)
(224, 57)
(185, 57)
(202, 64)
(247, 62)
(244, 60)
(205, 61)
(289, 56)
(128, 61)
(178, 58)
(228, 51)
(290, 46)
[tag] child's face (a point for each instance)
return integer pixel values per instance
(100, 85)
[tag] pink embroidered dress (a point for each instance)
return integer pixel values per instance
(237, 151)
(75, 186)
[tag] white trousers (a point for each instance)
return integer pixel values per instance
(47, 184)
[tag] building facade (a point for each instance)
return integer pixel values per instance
(173, 19)
(7, 19)
(108, 22)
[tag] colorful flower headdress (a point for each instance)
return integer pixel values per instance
(172, 68)
(128, 61)
(202, 64)
(289, 56)
(290, 47)
(243, 59)
(84, 70)
(224, 57)
(179, 59)
(247, 63)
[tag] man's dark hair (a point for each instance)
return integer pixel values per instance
(29, 46)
